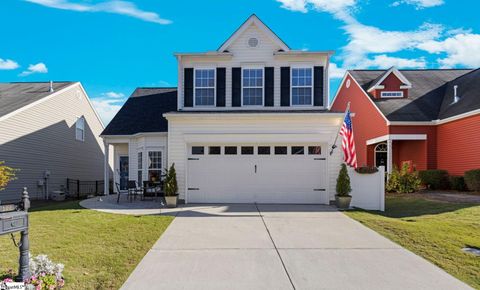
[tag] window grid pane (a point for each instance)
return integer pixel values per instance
(302, 86)
(155, 160)
(252, 87)
(204, 87)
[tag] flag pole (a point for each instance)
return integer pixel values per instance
(340, 128)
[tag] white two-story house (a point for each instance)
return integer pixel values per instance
(248, 123)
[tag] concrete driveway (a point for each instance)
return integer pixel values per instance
(279, 247)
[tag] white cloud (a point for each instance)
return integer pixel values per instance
(340, 8)
(114, 6)
(419, 4)
(384, 61)
(35, 68)
(106, 108)
(461, 49)
(365, 40)
(113, 95)
(336, 72)
(8, 64)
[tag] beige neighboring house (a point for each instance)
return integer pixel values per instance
(50, 131)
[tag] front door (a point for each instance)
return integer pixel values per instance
(123, 172)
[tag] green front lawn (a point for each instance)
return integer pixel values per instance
(99, 250)
(434, 230)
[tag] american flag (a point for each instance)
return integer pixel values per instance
(348, 144)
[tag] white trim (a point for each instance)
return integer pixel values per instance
(436, 122)
(140, 134)
(225, 114)
(253, 19)
(397, 137)
(214, 87)
(298, 66)
(457, 117)
(375, 152)
(398, 74)
(364, 93)
(253, 67)
(412, 123)
(304, 53)
(391, 92)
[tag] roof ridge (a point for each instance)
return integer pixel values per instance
(421, 69)
(156, 88)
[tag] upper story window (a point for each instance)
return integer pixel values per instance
(302, 86)
(204, 87)
(252, 87)
(80, 129)
(396, 94)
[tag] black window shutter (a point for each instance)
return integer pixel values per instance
(318, 86)
(188, 87)
(269, 86)
(285, 86)
(220, 87)
(236, 87)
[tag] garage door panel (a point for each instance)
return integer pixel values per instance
(277, 179)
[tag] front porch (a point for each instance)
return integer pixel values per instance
(396, 149)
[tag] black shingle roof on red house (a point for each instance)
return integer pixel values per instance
(431, 95)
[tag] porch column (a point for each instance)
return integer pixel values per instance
(106, 168)
(389, 156)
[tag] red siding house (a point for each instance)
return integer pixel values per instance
(430, 118)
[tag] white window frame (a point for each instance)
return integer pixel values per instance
(214, 87)
(140, 161)
(147, 165)
(375, 151)
(78, 128)
(386, 97)
(291, 85)
(263, 86)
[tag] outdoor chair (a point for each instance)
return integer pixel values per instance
(152, 189)
(127, 193)
(133, 190)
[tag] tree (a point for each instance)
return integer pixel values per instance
(171, 186)
(7, 174)
(343, 182)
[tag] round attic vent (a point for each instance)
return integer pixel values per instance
(252, 42)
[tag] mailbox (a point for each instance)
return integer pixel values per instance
(14, 218)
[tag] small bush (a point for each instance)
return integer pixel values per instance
(343, 182)
(7, 174)
(472, 179)
(403, 181)
(434, 179)
(457, 183)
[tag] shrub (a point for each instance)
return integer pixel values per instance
(366, 169)
(434, 179)
(457, 183)
(472, 179)
(403, 181)
(343, 182)
(171, 186)
(7, 174)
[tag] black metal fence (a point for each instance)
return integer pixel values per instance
(81, 189)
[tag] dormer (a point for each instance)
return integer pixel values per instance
(389, 85)
(253, 70)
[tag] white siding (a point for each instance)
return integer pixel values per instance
(243, 55)
(281, 128)
(42, 138)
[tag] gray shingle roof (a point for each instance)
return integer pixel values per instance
(425, 98)
(14, 96)
(143, 112)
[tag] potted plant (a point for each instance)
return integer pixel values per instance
(343, 198)
(171, 187)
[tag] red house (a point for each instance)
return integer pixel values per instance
(428, 117)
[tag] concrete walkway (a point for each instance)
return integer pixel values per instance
(279, 247)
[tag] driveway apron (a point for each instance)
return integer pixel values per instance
(279, 247)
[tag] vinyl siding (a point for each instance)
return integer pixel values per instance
(431, 143)
(211, 127)
(458, 143)
(244, 56)
(42, 138)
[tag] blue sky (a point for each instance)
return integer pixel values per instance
(114, 46)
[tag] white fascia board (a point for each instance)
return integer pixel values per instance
(33, 104)
(338, 89)
(204, 54)
(457, 117)
(436, 122)
(170, 116)
(305, 53)
(393, 137)
(412, 123)
(136, 135)
(398, 74)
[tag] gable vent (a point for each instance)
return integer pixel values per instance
(253, 42)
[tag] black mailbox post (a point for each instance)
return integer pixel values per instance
(14, 218)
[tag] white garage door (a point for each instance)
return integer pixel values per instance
(262, 174)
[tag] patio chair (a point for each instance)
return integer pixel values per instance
(133, 190)
(152, 189)
(127, 193)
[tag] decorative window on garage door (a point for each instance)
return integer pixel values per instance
(154, 165)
